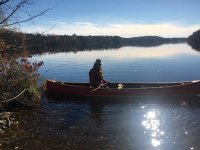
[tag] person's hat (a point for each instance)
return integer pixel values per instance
(98, 61)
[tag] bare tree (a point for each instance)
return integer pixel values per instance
(14, 12)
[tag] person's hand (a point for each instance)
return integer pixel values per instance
(108, 82)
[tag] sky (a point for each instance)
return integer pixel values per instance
(125, 18)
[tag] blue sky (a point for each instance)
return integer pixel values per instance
(126, 18)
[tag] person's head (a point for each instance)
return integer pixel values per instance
(98, 61)
(97, 64)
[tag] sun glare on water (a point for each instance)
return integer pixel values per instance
(152, 124)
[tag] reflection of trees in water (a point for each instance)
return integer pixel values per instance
(195, 45)
(80, 43)
(97, 113)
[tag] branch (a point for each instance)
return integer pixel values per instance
(14, 97)
(11, 14)
(48, 29)
(25, 20)
(3, 2)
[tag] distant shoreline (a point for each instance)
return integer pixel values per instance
(38, 43)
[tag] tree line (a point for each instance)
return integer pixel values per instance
(194, 40)
(38, 43)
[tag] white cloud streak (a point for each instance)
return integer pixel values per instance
(123, 30)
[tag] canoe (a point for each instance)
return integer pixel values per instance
(124, 90)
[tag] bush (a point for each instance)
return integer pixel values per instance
(18, 74)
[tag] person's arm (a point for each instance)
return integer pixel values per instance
(101, 77)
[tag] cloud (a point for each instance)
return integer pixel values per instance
(85, 24)
(123, 30)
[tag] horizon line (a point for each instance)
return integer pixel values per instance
(165, 30)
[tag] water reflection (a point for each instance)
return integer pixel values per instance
(166, 63)
(152, 124)
(97, 113)
(127, 126)
(164, 51)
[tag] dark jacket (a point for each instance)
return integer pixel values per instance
(96, 77)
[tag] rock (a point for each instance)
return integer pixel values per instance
(72, 128)
(5, 120)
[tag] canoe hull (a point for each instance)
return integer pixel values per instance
(158, 89)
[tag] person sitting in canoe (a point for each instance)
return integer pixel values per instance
(96, 75)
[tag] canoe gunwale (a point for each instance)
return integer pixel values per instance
(68, 89)
(168, 85)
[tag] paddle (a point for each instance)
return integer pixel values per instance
(100, 86)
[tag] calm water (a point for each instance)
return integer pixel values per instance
(113, 126)
(178, 62)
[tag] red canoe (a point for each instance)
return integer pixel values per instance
(68, 89)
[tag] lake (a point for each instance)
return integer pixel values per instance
(166, 63)
(113, 126)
